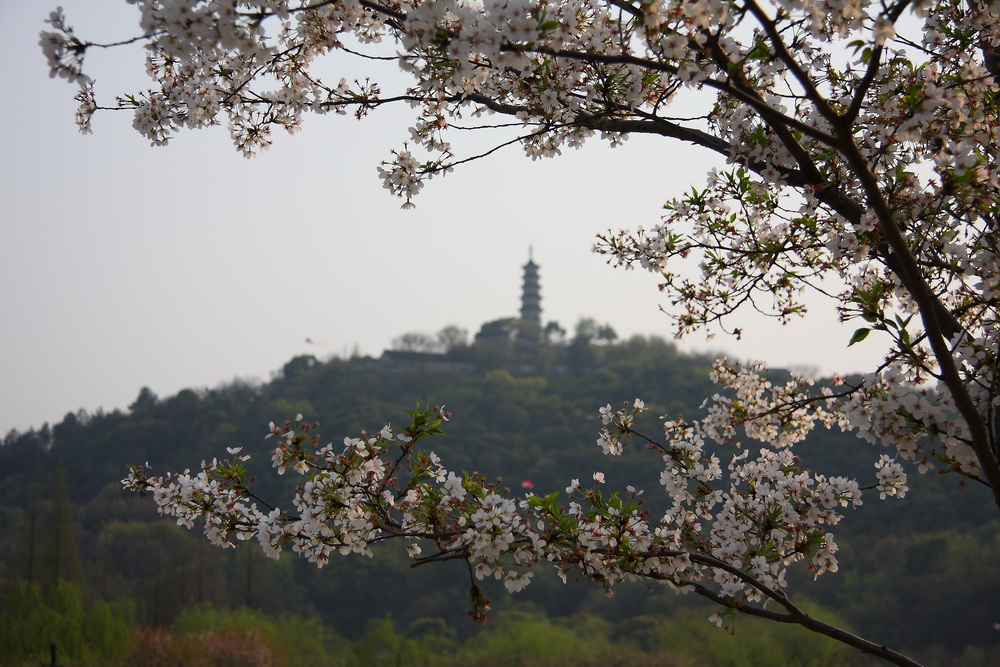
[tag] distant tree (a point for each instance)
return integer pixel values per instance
(299, 365)
(589, 331)
(505, 327)
(588, 336)
(30, 542)
(145, 401)
(554, 333)
(62, 554)
(417, 342)
(453, 338)
(185, 403)
(862, 148)
(493, 346)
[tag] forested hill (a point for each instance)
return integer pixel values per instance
(65, 516)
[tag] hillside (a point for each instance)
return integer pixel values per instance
(929, 584)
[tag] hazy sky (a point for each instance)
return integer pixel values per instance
(123, 265)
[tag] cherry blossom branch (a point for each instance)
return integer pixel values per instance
(796, 616)
(764, 110)
(928, 307)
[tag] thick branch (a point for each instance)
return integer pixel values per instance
(795, 615)
(778, 44)
(875, 60)
(929, 307)
(763, 109)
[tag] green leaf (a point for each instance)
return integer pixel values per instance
(859, 335)
(856, 45)
(760, 51)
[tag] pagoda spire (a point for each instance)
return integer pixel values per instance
(531, 302)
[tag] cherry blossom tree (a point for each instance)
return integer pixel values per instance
(861, 144)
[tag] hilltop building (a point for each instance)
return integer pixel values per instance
(499, 343)
(523, 335)
(532, 334)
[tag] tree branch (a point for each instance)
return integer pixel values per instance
(795, 615)
(929, 306)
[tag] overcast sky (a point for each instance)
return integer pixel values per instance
(123, 265)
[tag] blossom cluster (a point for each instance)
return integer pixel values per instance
(729, 532)
(362, 491)
(567, 70)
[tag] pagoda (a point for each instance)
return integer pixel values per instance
(531, 305)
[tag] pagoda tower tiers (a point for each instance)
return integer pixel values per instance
(531, 304)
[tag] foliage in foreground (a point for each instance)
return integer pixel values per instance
(107, 635)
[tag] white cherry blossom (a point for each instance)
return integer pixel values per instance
(861, 142)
